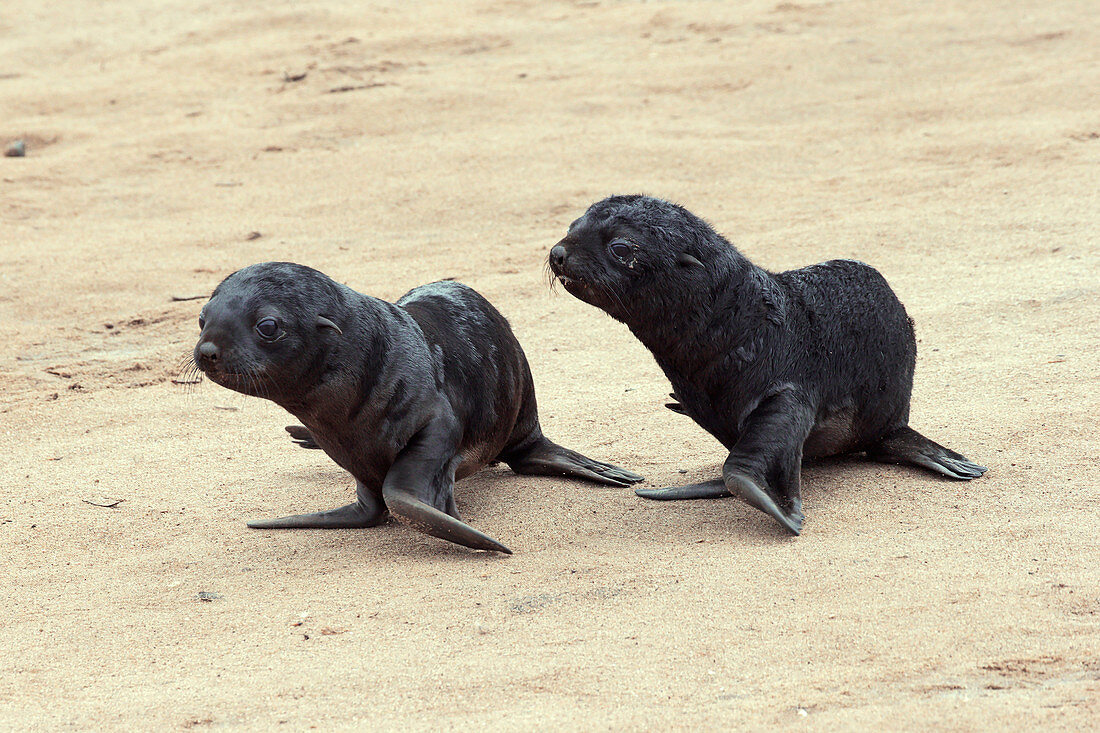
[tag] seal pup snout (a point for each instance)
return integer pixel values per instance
(207, 355)
(210, 357)
(558, 255)
(224, 367)
(583, 265)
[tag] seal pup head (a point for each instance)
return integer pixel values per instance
(636, 257)
(265, 328)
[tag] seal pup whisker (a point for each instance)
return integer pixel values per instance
(188, 376)
(254, 386)
(777, 366)
(184, 364)
(616, 295)
(259, 381)
(408, 397)
(551, 278)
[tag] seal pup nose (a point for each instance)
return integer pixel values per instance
(558, 255)
(208, 352)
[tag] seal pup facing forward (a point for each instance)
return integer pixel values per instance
(777, 366)
(408, 397)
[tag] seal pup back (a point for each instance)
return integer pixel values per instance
(408, 397)
(777, 366)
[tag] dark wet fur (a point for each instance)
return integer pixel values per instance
(811, 362)
(406, 396)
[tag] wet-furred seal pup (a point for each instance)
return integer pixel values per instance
(408, 397)
(777, 366)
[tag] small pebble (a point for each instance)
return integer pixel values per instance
(205, 595)
(17, 149)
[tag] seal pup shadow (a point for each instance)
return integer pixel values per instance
(808, 363)
(408, 397)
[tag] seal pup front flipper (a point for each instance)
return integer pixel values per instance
(419, 491)
(302, 437)
(906, 445)
(764, 468)
(547, 458)
(676, 406)
(713, 489)
(367, 511)
(736, 481)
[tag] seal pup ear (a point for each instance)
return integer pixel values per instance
(323, 322)
(687, 260)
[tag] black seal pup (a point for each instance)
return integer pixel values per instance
(777, 366)
(407, 397)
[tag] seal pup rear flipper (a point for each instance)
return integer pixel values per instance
(547, 458)
(906, 445)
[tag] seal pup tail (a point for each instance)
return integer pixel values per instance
(427, 519)
(906, 445)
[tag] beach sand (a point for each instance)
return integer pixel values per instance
(955, 146)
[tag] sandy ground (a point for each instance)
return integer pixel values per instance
(954, 145)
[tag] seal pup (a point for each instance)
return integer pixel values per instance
(408, 397)
(777, 366)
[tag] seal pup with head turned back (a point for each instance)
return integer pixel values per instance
(777, 366)
(408, 397)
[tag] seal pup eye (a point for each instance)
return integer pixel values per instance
(202, 321)
(268, 328)
(621, 250)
